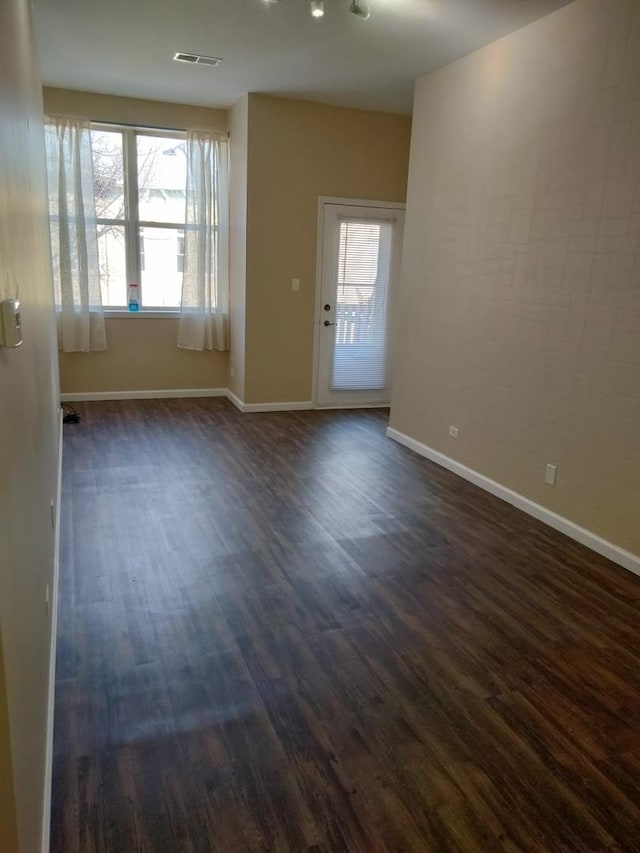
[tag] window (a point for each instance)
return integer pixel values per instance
(139, 184)
(362, 295)
(180, 260)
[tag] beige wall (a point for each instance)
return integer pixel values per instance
(297, 152)
(29, 434)
(8, 817)
(142, 353)
(520, 296)
(136, 111)
(239, 129)
(284, 155)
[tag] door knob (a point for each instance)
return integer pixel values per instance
(329, 323)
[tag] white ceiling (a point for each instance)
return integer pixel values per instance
(125, 47)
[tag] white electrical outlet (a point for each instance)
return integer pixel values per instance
(295, 284)
(453, 431)
(550, 475)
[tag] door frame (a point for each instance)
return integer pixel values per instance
(323, 202)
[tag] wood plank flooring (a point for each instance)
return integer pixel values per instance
(284, 632)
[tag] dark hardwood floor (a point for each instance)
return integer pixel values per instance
(284, 632)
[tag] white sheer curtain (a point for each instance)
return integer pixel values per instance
(74, 239)
(204, 314)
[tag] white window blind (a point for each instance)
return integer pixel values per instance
(360, 349)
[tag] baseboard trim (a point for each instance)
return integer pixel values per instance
(233, 398)
(88, 396)
(53, 610)
(347, 407)
(293, 406)
(596, 543)
(160, 394)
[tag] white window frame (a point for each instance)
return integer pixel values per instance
(131, 222)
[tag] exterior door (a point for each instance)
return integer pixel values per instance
(360, 260)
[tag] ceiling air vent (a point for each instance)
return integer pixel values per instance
(196, 59)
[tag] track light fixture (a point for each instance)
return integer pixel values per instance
(360, 10)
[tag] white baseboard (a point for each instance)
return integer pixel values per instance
(53, 610)
(161, 394)
(293, 406)
(345, 408)
(285, 406)
(233, 398)
(596, 543)
(87, 396)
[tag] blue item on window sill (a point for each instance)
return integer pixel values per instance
(133, 299)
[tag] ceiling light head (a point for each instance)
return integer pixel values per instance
(360, 10)
(317, 8)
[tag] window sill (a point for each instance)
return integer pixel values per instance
(150, 314)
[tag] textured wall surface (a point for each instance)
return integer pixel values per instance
(519, 312)
(29, 437)
(8, 816)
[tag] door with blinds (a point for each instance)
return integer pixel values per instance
(360, 258)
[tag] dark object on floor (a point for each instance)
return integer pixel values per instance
(71, 417)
